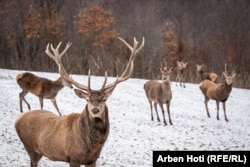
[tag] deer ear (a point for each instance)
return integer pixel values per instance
(233, 74)
(81, 94)
(185, 64)
(170, 69)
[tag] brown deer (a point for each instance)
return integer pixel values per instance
(218, 91)
(41, 87)
(160, 93)
(179, 72)
(76, 138)
(205, 75)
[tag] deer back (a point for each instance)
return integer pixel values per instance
(40, 86)
(209, 89)
(156, 91)
(30, 82)
(215, 91)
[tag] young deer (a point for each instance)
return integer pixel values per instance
(218, 91)
(76, 138)
(41, 87)
(205, 75)
(160, 93)
(179, 72)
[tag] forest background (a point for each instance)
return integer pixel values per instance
(212, 32)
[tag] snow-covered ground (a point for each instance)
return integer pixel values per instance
(133, 136)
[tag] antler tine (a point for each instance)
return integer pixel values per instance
(135, 44)
(66, 48)
(226, 69)
(165, 63)
(56, 56)
(130, 66)
(134, 51)
(89, 88)
(77, 84)
(105, 80)
(50, 54)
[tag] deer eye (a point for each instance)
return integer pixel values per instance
(103, 99)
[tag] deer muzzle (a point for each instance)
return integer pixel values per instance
(95, 110)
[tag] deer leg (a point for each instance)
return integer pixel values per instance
(91, 165)
(206, 101)
(77, 165)
(224, 109)
(155, 104)
(218, 108)
(21, 99)
(180, 82)
(163, 114)
(35, 159)
(55, 105)
(169, 117)
(41, 102)
(184, 86)
(176, 81)
(151, 108)
(34, 156)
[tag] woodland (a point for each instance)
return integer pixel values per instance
(211, 32)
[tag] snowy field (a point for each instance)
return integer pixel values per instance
(133, 136)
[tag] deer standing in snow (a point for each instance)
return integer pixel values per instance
(218, 91)
(205, 75)
(76, 138)
(160, 93)
(41, 87)
(179, 72)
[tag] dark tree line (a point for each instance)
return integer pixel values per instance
(212, 32)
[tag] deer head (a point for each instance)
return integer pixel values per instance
(229, 77)
(181, 65)
(165, 73)
(199, 67)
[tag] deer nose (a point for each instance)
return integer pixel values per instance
(95, 110)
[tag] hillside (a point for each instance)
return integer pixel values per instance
(133, 136)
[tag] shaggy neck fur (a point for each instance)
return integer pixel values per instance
(58, 84)
(95, 130)
(166, 83)
(226, 90)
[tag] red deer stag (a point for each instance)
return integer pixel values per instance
(160, 93)
(76, 138)
(41, 87)
(218, 91)
(205, 75)
(179, 72)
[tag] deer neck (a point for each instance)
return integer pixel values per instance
(166, 84)
(200, 72)
(57, 84)
(94, 132)
(227, 87)
(226, 90)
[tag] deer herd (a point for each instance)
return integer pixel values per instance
(78, 138)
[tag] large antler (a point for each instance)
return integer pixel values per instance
(56, 56)
(129, 68)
